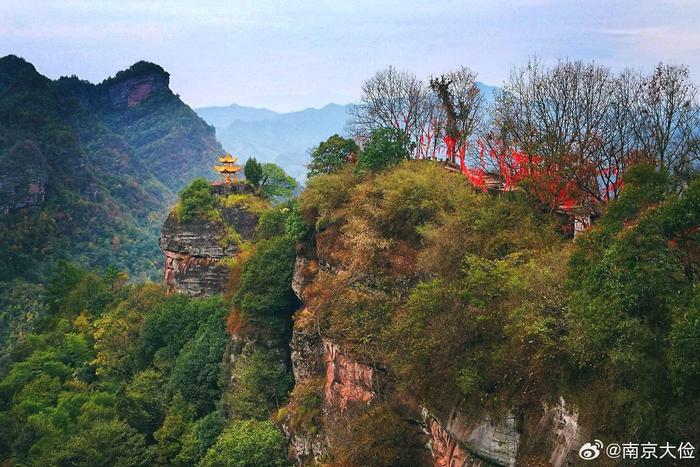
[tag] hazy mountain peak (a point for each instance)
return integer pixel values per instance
(15, 70)
(140, 69)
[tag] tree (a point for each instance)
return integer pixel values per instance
(275, 183)
(116, 333)
(331, 155)
(170, 435)
(201, 435)
(248, 443)
(390, 99)
(65, 276)
(261, 384)
(106, 442)
(197, 369)
(144, 401)
(462, 104)
(197, 202)
(669, 117)
(581, 125)
(253, 171)
(385, 148)
(556, 117)
(265, 293)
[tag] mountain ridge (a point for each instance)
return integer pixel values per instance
(76, 156)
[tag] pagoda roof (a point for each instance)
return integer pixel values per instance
(228, 159)
(227, 169)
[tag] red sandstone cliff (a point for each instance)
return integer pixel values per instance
(194, 250)
(544, 435)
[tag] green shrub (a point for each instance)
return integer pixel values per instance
(331, 155)
(248, 443)
(261, 385)
(386, 148)
(197, 202)
(272, 222)
(377, 438)
(308, 400)
(632, 283)
(296, 227)
(265, 295)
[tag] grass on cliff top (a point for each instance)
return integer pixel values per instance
(198, 202)
(250, 202)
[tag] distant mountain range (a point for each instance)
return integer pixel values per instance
(283, 138)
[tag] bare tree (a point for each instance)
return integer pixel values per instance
(621, 145)
(462, 106)
(390, 99)
(557, 116)
(668, 118)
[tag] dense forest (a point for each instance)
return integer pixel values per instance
(121, 374)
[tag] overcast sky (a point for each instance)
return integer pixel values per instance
(288, 55)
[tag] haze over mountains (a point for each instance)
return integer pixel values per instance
(283, 138)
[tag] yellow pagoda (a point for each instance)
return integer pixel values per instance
(229, 168)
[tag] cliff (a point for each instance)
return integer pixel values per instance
(540, 435)
(195, 250)
(131, 87)
(411, 284)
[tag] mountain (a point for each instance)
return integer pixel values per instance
(88, 171)
(224, 116)
(489, 92)
(283, 138)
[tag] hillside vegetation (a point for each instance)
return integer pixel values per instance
(119, 374)
(462, 298)
(476, 300)
(88, 172)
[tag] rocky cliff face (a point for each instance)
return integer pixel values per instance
(345, 383)
(194, 250)
(131, 91)
(548, 434)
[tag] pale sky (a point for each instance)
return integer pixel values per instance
(288, 55)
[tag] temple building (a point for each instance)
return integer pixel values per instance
(228, 169)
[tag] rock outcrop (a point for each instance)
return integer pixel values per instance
(131, 87)
(194, 250)
(548, 434)
(347, 381)
(463, 442)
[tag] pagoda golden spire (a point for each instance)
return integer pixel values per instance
(229, 167)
